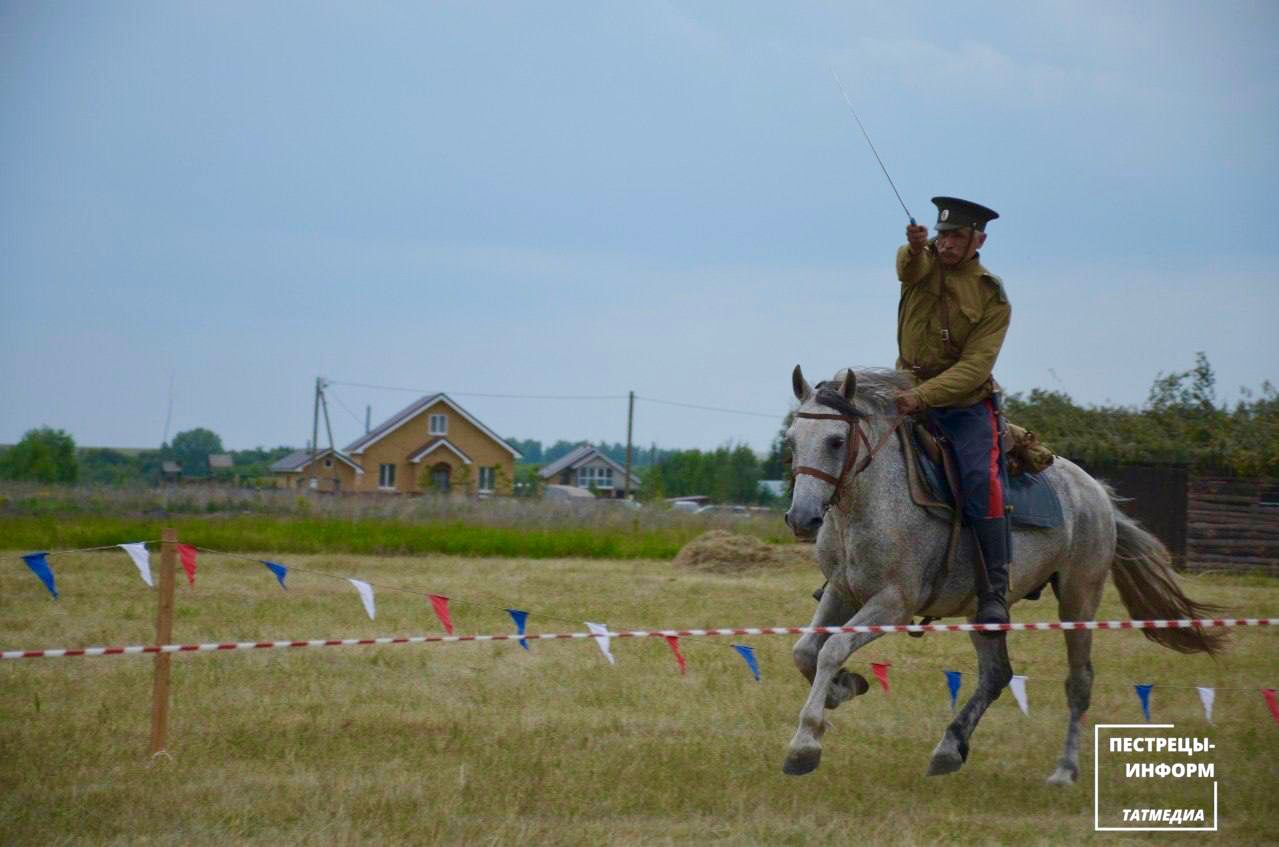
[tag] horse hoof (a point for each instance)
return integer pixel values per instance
(948, 757)
(845, 686)
(1064, 775)
(944, 762)
(801, 762)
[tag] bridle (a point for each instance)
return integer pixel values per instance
(856, 438)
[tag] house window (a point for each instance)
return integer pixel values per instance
(328, 463)
(386, 476)
(595, 476)
(438, 425)
(488, 479)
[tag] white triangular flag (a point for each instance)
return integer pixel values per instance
(366, 594)
(1208, 695)
(1017, 685)
(138, 553)
(602, 636)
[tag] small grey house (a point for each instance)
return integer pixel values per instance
(585, 467)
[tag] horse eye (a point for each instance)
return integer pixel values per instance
(835, 442)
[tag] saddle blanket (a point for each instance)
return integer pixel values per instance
(1033, 499)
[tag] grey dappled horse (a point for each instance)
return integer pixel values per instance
(881, 552)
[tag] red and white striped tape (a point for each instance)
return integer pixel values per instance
(1202, 623)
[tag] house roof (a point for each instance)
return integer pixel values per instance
(431, 446)
(299, 459)
(579, 456)
(409, 412)
(170, 467)
(220, 461)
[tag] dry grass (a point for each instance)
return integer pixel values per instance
(487, 744)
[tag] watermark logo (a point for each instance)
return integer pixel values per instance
(1146, 779)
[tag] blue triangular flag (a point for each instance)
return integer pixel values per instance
(280, 571)
(749, 655)
(520, 617)
(40, 566)
(1143, 691)
(952, 682)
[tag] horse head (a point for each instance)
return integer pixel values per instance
(822, 441)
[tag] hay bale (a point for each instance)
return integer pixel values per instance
(725, 552)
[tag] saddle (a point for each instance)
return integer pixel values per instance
(1029, 500)
(933, 479)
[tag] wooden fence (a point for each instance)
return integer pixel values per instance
(1207, 523)
(1232, 524)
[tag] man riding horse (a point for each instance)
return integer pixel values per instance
(951, 323)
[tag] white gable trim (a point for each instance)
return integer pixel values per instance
(417, 408)
(443, 442)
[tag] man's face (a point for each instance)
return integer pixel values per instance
(958, 245)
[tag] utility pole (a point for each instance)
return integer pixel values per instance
(315, 431)
(324, 404)
(368, 419)
(630, 422)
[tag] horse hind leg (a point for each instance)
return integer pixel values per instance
(1077, 602)
(994, 670)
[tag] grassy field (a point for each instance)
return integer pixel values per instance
(486, 744)
(239, 520)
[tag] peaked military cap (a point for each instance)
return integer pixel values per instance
(953, 213)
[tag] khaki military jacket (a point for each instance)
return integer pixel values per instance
(955, 372)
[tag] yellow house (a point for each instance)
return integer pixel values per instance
(433, 445)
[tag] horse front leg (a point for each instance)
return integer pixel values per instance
(993, 673)
(832, 610)
(805, 750)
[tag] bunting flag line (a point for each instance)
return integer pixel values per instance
(673, 641)
(1207, 696)
(521, 618)
(40, 567)
(366, 595)
(748, 654)
(141, 558)
(1017, 685)
(952, 683)
(601, 635)
(1143, 692)
(440, 604)
(279, 570)
(880, 669)
(187, 553)
(1271, 703)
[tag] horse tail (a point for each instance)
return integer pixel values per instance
(1142, 571)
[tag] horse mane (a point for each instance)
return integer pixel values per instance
(876, 393)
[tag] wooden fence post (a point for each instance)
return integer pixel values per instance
(163, 635)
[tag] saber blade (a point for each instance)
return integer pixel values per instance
(866, 135)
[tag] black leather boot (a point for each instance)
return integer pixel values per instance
(992, 591)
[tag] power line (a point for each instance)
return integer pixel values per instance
(708, 408)
(345, 408)
(479, 394)
(569, 397)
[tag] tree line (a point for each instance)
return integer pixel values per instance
(50, 455)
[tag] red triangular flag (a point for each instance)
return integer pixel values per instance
(441, 605)
(1269, 694)
(673, 640)
(187, 552)
(880, 669)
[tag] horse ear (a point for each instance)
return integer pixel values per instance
(848, 384)
(800, 386)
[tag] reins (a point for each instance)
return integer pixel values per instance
(856, 437)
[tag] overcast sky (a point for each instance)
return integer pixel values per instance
(584, 199)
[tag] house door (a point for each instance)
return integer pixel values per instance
(440, 478)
